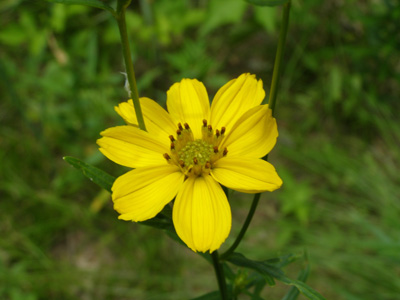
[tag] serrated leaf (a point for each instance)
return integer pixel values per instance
(265, 268)
(267, 2)
(96, 175)
(92, 3)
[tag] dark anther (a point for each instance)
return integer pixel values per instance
(225, 152)
(166, 156)
(178, 132)
(222, 130)
(195, 160)
(186, 125)
(172, 146)
(181, 163)
(209, 128)
(215, 149)
(217, 133)
(180, 126)
(205, 123)
(208, 165)
(171, 138)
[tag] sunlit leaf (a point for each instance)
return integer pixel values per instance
(92, 3)
(267, 2)
(96, 175)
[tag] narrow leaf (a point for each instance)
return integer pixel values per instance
(92, 3)
(267, 2)
(265, 268)
(96, 175)
(294, 292)
(215, 295)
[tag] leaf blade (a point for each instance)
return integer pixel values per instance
(267, 2)
(265, 268)
(96, 175)
(91, 3)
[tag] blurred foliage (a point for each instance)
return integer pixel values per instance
(337, 153)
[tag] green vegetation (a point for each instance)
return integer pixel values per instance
(338, 151)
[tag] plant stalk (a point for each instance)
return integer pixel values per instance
(219, 272)
(121, 20)
(279, 57)
(271, 103)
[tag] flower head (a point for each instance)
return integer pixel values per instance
(188, 152)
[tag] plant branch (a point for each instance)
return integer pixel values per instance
(121, 20)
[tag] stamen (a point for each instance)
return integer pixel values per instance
(195, 161)
(223, 130)
(209, 128)
(166, 156)
(172, 146)
(171, 137)
(217, 133)
(207, 165)
(181, 163)
(215, 149)
(180, 126)
(225, 152)
(204, 123)
(179, 132)
(186, 126)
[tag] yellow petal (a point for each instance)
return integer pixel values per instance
(157, 120)
(187, 101)
(129, 146)
(142, 193)
(234, 99)
(245, 174)
(253, 135)
(201, 214)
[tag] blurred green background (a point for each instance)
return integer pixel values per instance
(338, 151)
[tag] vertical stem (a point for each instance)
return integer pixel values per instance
(271, 103)
(279, 57)
(244, 228)
(121, 8)
(219, 272)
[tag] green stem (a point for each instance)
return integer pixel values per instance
(279, 57)
(244, 227)
(271, 103)
(121, 8)
(219, 272)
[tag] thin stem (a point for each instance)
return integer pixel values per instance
(244, 228)
(219, 272)
(121, 8)
(271, 103)
(279, 57)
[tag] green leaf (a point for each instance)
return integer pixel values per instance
(105, 180)
(267, 2)
(266, 268)
(294, 292)
(96, 175)
(215, 295)
(92, 3)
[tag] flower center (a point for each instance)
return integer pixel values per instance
(196, 157)
(197, 151)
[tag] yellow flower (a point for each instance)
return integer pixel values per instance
(188, 152)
